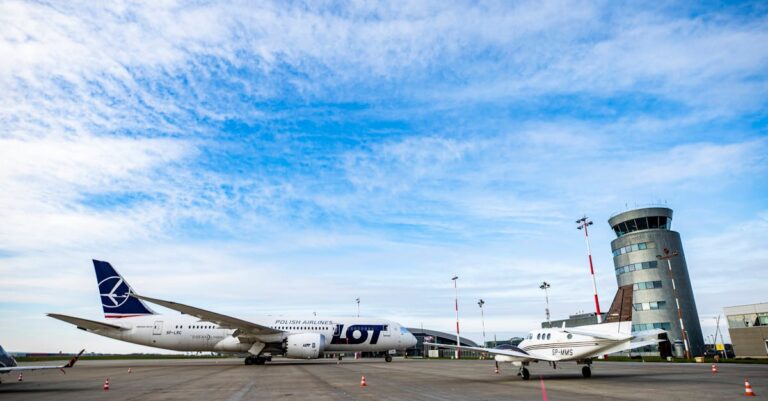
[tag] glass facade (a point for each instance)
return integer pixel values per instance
(651, 326)
(634, 247)
(637, 266)
(642, 223)
(646, 285)
(748, 320)
(650, 305)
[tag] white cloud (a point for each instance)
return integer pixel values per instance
(127, 100)
(45, 179)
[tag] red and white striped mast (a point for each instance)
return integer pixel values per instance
(584, 222)
(456, 304)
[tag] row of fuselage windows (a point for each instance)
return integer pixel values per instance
(274, 327)
(651, 326)
(634, 247)
(637, 266)
(301, 327)
(642, 223)
(545, 336)
(649, 305)
(197, 327)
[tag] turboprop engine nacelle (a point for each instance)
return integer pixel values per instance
(304, 346)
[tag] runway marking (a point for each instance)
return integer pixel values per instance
(543, 389)
(241, 393)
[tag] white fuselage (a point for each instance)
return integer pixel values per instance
(557, 345)
(187, 333)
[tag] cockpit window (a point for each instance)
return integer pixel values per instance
(403, 330)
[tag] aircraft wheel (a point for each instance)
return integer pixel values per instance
(388, 358)
(248, 360)
(260, 361)
(339, 356)
(526, 374)
(586, 371)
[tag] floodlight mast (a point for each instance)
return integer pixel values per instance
(480, 303)
(584, 222)
(544, 286)
(456, 304)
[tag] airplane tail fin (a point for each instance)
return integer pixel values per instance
(114, 292)
(621, 310)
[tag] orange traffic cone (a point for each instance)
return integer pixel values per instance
(714, 368)
(130, 371)
(362, 381)
(21, 377)
(748, 389)
(106, 384)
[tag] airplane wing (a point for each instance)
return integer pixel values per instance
(597, 334)
(69, 364)
(86, 324)
(494, 351)
(222, 320)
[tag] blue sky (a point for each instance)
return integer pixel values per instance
(289, 157)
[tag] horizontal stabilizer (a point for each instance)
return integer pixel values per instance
(90, 325)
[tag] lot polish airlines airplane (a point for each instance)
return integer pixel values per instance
(8, 364)
(201, 330)
(580, 344)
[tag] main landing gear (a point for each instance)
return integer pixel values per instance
(256, 360)
(524, 373)
(388, 358)
(586, 371)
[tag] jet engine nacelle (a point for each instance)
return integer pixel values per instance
(304, 346)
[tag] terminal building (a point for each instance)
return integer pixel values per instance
(748, 327)
(437, 337)
(642, 235)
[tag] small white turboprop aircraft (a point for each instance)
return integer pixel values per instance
(201, 330)
(580, 344)
(8, 364)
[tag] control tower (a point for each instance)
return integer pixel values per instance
(639, 259)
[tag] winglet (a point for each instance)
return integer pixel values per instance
(74, 360)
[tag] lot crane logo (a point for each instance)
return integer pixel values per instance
(114, 292)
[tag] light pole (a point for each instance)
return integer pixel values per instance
(717, 322)
(584, 222)
(667, 256)
(480, 303)
(456, 304)
(358, 306)
(544, 286)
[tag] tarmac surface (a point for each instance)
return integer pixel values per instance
(231, 380)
